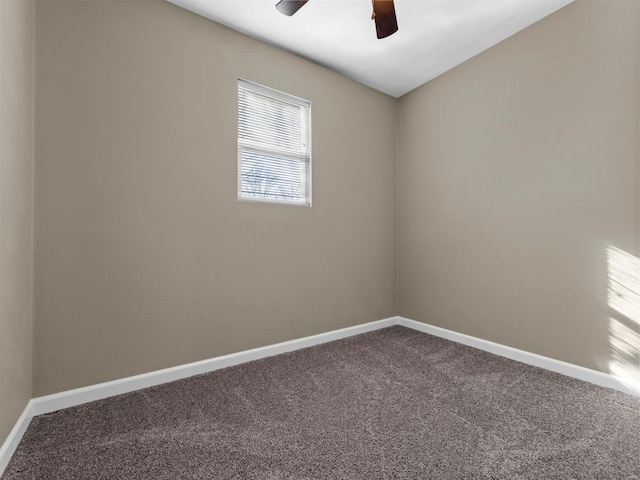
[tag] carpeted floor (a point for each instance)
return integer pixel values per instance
(389, 404)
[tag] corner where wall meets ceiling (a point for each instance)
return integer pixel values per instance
(433, 36)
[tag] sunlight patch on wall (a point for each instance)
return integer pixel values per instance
(624, 297)
(625, 351)
(624, 283)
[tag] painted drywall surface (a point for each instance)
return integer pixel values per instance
(144, 257)
(517, 171)
(16, 208)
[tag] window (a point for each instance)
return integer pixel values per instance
(274, 146)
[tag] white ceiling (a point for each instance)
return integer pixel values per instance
(434, 35)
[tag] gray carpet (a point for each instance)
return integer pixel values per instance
(389, 404)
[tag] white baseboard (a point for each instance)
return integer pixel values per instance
(558, 366)
(13, 440)
(70, 398)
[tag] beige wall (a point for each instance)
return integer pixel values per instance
(144, 257)
(516, 171)
(16, 208)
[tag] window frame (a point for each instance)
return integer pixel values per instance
(248, 145)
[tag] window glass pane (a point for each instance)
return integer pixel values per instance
(270, 176)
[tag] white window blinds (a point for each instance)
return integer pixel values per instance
(274, 146)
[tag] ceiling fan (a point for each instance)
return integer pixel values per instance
(384, 14)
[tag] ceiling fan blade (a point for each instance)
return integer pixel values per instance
(289, 7)
(384, 13)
